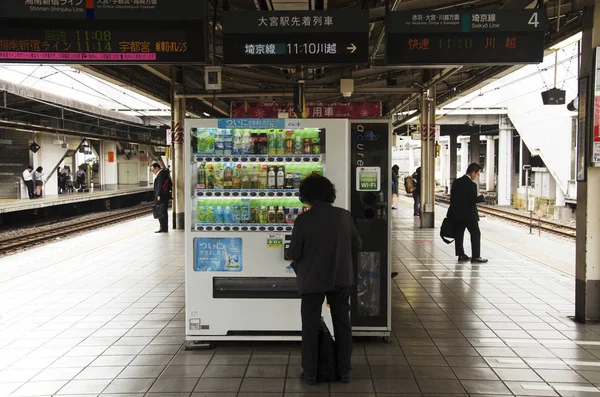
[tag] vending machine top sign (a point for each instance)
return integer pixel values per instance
(296, 37)
(103, 31)
(457, 37)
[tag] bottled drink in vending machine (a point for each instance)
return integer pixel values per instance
(228, 177)
(237, 177)
(263, 143)
(298, 148)
(272, 215)
(201, 177)
(219, 142)
(272, 178)
(280, 143)
(281, 177)
(237, 142)
(254, 178)
(246, 143)
(289, 180)
(227, 142)
(254, 137)
(289, 142)
(271, 143)
(263, 215)
(263, 179)
(210, 177)
(280, 215)
(245, 178)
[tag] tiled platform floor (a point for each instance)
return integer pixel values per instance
(102, 314)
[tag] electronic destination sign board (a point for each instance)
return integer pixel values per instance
(103, 31)
(458, 37)
(296, 37)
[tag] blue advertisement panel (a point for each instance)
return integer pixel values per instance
(252, 123)
(218, 255)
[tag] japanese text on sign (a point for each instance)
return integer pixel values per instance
(306, 21)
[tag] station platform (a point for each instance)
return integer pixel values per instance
(103, 315)
(11, 205)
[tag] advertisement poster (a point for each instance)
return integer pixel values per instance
(368, 179)
(218, 255)
(274, 240)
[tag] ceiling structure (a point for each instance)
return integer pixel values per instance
(397, 87)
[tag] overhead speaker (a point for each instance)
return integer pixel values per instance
(554, 96)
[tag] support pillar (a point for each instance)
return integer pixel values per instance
(587, 258)
(452, 148)
(505, 155)
(428, 159)
(464, 154)
(443, 163)
(475, 149)
(178, 172)
(490, 154)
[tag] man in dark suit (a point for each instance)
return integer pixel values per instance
(324, 246)
(464, 215)
(162, 182)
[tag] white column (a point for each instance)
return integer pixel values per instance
(505, 154)
(110, 174)
(560, 197)
(443, 163)
(490, 153)
(411, 157)
(464, 154)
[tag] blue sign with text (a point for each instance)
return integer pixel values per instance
(252, 123)
(218, 255)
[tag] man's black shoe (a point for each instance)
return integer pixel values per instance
(160, 231)
(308, 380)
(345, 378)
(463, 258)
(394, 274)
(479, 260)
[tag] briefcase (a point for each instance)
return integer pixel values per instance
(327, 369)
(448, 231)
(158, 211)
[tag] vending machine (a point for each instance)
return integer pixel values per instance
(242, 180)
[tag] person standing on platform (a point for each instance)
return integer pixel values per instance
(38, 179)
(395, 178)
(324, 247)
(416, 177)
(28, 179)
(464, 215)
(162, 195)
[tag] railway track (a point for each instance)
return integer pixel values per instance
(10, 245)
(540, 224)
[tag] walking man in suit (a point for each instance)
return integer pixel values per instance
(464, 215)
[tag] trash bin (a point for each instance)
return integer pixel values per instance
(22, 192)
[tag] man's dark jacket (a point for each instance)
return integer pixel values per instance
(325, 245)
(463, 200)
(159, 181)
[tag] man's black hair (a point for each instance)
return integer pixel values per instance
(29, 167)
(156, 165)
(473, 167)
(317, 189)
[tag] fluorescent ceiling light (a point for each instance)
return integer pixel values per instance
(206, 114)
(567, 42)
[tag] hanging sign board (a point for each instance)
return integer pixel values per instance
(296, 37)
(103, 31)
(462, 37)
